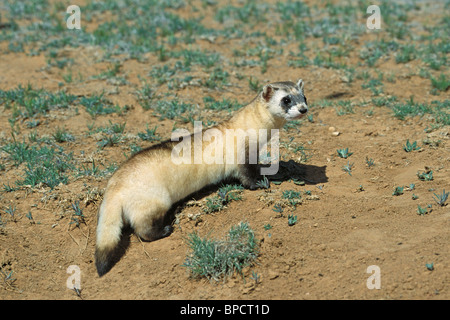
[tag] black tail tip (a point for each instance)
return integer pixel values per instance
(104, 260)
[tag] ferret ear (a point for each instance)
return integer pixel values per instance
(268, 92)
(300, 84)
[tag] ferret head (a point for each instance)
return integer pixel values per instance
(285, 99)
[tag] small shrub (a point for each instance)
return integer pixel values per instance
(441, 83)
(226, 194)
(62, 135)
(292, 196)
(425, 176)
(149, 134)
(348, 168)
(370, 162)
(398, 191)
(421, 211)
(441, 198)
(216, 259)
(292, 220)
(343, 153)
(410, 146)
(77, 217)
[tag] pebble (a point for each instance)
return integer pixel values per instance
(333, 131)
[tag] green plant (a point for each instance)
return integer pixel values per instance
(62, 135)
(11, 210)
(28, 102)
(370, 162)
(217, 79)
(264, 183)
(278, 208)
(98, 105)
(348, 168)
(406, 54)
(292, 220)
(225, 104)
(375, 85)
(46, 165)
(344, 107)
(343, 153)
(226, 194)
(441, 83)
(254, 84)
(421, 211)
(149, 134)
(145, 96)
(441, 198)
(77, 217)
(255, 277)
(398, 191)
(410, 108)
(109, 140)
(216, 259)
(8, 188)
(171, 109)
(115, 127)
(292, 196)
(410, 146)
(425, 176)
(8, 279)
(85, 170)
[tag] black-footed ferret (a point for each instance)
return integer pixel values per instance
(145, 187)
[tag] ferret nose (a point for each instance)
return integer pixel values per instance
(303, 110)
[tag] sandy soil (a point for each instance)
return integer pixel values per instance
(346, 224)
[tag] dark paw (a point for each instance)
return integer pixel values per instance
(167, 230)
(264, 183)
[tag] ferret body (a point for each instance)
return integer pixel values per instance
(144, 188)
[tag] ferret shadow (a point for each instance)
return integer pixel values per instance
(297, 172)
(287, 171)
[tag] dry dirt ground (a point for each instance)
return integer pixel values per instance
(346, 222)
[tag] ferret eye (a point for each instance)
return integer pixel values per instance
(286, 100)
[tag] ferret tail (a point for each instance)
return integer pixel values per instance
(109, 231)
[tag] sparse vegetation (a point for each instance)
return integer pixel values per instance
(348, 168)
(343, 153)
(441, 199)
(398, 191)
(292, 220)
(216, 259)
(225, 195)
(426, 175)
(421, 211)
(75, 104)
(77, 216)
(293, 197)
(408, 147)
